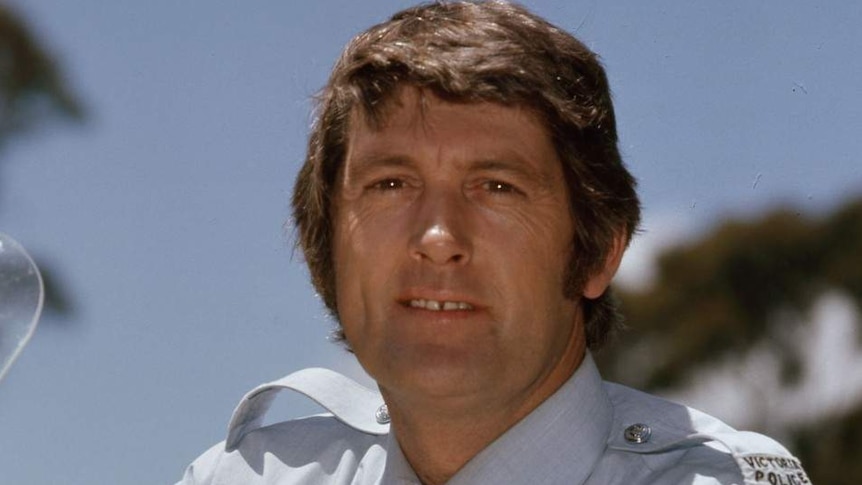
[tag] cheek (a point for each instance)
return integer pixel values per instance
(356, 241)
(364, 251)
(344, 261)
(362, 229)
(531, 253)
(536, 238)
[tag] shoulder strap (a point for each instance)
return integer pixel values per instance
(762, 459)
(349, 402)
(666, 426)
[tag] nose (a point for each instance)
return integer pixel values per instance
(441, 232)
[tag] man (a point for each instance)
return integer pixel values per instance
(462, 209)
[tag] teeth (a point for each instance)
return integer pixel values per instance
(450, 305)
(436, 306)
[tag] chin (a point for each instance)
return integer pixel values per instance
(435, 372)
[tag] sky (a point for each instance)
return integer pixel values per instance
(164, 214)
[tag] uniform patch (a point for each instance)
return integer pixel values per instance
(760, 469)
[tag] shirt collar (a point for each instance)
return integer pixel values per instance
(559, 442)
(397, 470)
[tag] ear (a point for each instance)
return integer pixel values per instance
(599, 281)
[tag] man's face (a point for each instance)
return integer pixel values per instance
(452, 237)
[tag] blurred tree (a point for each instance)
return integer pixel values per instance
(32, 92)
(748, 286)
(830, 450)
(31, 89)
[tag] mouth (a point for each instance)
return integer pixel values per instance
(439, 305)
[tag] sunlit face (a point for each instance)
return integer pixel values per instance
(452, 236)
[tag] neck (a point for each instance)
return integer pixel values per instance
(438, 439)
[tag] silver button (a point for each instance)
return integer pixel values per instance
(638, 433)
(382, 415)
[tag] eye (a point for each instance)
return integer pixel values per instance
(386, 185)
(498, 187)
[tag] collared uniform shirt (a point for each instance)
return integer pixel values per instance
(589, 432)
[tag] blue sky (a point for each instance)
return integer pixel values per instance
(163, 214)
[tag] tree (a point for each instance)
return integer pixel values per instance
(749, 287)
(32, 92)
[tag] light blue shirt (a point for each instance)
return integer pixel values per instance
(589, 432)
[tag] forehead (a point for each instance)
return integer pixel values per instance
(409, 101)
(473, 129)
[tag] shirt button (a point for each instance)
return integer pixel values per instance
(638, 433)
(382, 415)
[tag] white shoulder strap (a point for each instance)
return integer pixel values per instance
(762, 459)
(351, 403)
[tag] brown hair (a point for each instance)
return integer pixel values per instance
(479, 52)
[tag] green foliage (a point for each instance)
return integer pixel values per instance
(745, 286)
(58, 301)
(720, 295)
(31, 89)
(830, 449)
(31, 93)
(842, 241)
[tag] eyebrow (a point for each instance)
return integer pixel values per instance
(374, 161)
(382, 160)
(510, 163)
(515, 165)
